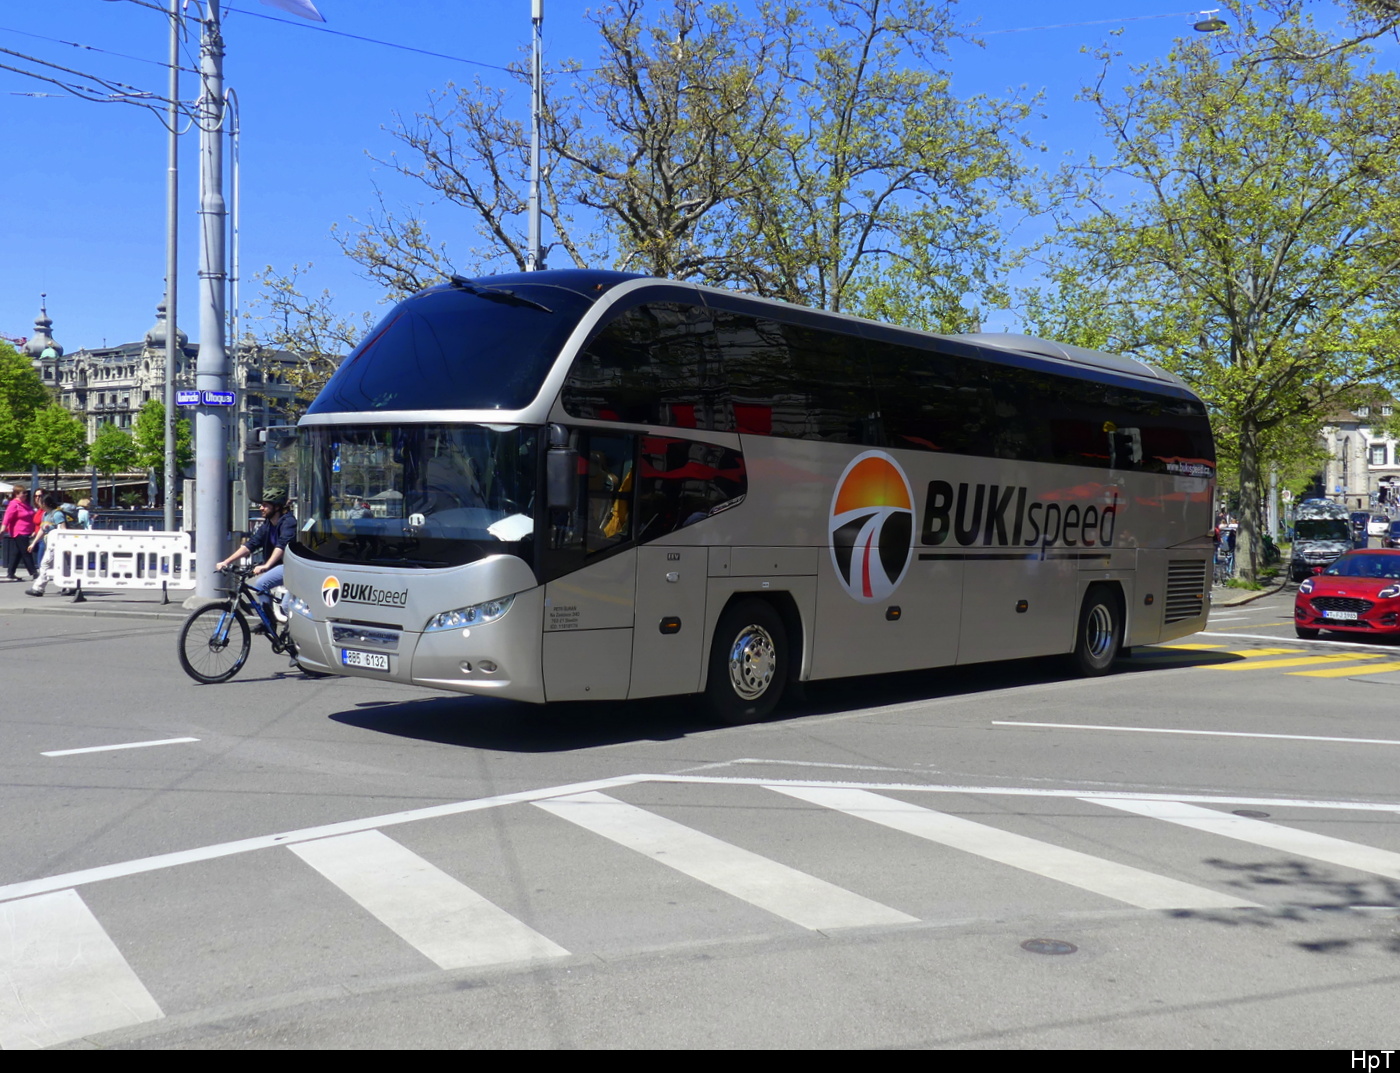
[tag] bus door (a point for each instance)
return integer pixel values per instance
(589, 599)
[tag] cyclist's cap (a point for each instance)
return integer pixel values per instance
(274, 497)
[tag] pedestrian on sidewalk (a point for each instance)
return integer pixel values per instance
(60, 515)
(18, 526)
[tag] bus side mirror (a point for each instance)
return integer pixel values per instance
(561, 471)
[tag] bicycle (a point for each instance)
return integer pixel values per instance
(215, 640)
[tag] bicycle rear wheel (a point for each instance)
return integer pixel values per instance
(214, 644)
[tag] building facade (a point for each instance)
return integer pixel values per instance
(109, 385)
(1363, 467)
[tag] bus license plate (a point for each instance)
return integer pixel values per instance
(1346, 616)
(370, 661)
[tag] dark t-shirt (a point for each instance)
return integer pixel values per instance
(278, 534)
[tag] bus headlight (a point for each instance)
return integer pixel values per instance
(475, 615)
(297, 604)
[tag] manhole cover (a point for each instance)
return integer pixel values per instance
(1048, 946)
(1250, 814)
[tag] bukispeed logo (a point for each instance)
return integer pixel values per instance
(330, 591)
(872, 527)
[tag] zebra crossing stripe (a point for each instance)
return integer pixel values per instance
(1306, 661)
(785, 892)
(1122, 882)
(1342, 672)
(1338, 851)
(442, 918)
(61, 976)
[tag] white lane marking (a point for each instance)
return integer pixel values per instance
(442, 918)
(1210, 733)
(27, 888)
(62, 975)
(1146, 890)
(110, 748)
(306, 834)
(1269, 835)
(785, 892)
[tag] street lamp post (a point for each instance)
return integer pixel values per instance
(211, 375)
(532, 255)
(172, 203)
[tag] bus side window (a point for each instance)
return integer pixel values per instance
(611, 476)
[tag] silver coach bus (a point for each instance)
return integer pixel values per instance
(579, 485)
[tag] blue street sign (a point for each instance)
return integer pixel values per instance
(187, 398)
(217, 398)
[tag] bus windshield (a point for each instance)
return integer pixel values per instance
(417, 496)
(458, 347)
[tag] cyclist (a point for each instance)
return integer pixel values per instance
(276, 530)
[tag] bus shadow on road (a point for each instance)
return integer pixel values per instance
(1151, 658)
(512, 726)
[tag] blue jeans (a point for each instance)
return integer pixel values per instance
(264, 585)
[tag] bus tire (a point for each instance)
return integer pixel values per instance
(748, 663)
(1099, 636)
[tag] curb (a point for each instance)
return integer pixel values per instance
(86, 612)
(1249, 596)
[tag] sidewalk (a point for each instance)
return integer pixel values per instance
(1221, 596)
(120, 603)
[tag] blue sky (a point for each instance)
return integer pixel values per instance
(82, 192)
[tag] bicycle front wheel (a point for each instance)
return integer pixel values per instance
(214, 644)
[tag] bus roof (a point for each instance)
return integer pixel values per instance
(592, 283)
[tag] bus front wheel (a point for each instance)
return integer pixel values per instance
(748, 663)
(1100, 634)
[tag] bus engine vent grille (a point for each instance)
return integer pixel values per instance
(1186, 590)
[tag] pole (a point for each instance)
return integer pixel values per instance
(532, 256)
(172, 231)
(235, 342)
(211, 422)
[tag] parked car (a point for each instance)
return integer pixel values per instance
(1360, 528)
(1359, 593)
(1321, 532)
(1380, 525)
(1392, 538)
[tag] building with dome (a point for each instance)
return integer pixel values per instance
(109, 385)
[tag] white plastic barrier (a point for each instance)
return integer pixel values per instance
(103, 559)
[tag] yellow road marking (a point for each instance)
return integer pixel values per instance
(1251, 664)
(1250, 653)
(1341, 672)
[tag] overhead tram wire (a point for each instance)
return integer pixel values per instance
(93, 48)
(303, 25)
(1092, 22)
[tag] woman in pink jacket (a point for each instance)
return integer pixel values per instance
(18, 527)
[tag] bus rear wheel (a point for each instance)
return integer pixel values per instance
(1100, 634)
(748, 663)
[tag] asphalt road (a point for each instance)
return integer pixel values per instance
(1201, 850)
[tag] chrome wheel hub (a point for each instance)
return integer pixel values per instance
(752, 661)
(1098, 631)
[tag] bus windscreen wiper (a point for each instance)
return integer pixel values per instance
(496, 294)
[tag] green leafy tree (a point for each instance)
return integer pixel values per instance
(56, 440)
(817, 156)
(1256, 250)
(22, 395)
(148, 438)
(884, 196)
(113, 450)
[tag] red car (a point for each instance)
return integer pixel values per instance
(1359, 593)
